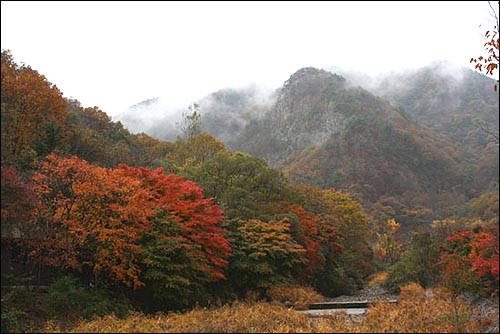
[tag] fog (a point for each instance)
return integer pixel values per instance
(116, 54)
(222, 112)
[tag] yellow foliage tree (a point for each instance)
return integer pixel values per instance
(388, 248)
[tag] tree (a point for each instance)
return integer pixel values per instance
(90, 220)
(264, 254)
(306, 232)
(490, 61)
(244, 186)
(189, 154)
(418, 263)
(33, 114)
(343, 236)
(456, 272)
(127, 225)
(476, 252)
(190, 124)
(388, 247)
(492, 36)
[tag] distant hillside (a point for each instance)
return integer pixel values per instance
(448, 100)
(310, 107)
(455, 103)
(323, 132)
(409, 145)
(224, 113)
(227, 112)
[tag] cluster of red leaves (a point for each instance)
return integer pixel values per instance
(478, 251)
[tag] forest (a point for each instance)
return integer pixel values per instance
(104, 230)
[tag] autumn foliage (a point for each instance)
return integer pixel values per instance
(470, 259)
(388, 248)
(95, 221)
(33, 114)
(84, 197)
(492, 57)
(265, 253)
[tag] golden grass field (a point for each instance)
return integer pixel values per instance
(416, 311)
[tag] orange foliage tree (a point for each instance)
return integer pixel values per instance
(33, 114)
(470, 261)
(344, 237)
(96, 221)
(307, 234)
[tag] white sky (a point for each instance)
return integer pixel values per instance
(116, 54)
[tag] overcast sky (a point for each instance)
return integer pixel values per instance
(116, 54)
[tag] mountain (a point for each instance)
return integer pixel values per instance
(324, 132)
(310, 107)
(409, 146)
(227, 112)
(224, 114)
(447, 99)
(458, 104)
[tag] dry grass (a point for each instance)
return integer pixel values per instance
(415, 312)
(298, 297)
(240, 317)
(378, 278)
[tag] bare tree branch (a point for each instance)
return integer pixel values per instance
(484, 126)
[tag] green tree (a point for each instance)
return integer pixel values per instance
(264, 254)
(244, 186)
(190, 125)
(417, 264)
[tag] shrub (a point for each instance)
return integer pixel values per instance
(13, 319)
(417, 264)
(335, 282)
(21, 309)
(67, 296)
(378, 278)
(237, 318)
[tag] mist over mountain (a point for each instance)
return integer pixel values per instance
(224, 113)
(153, 117)
(449, 100)
(414, 136)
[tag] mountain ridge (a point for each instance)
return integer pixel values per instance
(412, 137)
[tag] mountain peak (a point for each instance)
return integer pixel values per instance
(146, 103)
(307, 74)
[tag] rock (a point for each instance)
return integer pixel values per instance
(373, 293)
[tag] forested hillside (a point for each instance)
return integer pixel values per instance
(315, 187)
